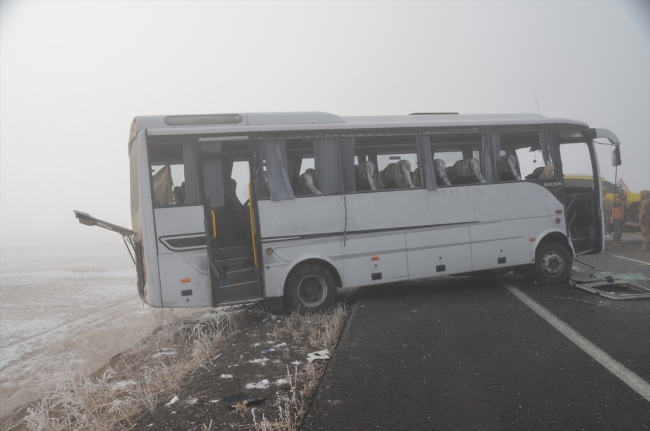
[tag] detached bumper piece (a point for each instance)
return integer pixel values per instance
(609, 287)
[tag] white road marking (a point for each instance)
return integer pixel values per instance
(633, 260)
(619, 370)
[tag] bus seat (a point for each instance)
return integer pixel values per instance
(397, 175)
(507, 168)
(365, 176)
(441, 173)
(467, 171)
(179, 194)
(231, 193)
(307, 183)
(535, 174)
(379, 181)
(449, 173)
(475, 168)
(416, 178)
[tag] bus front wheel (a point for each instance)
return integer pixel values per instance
(553, 264)
(310, 289)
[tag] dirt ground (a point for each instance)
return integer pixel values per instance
(258, 361)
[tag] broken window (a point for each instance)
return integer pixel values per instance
(525, 155)
(457, 158)
(273, 178)
(386, 162)
(169, 165)
(314, 167)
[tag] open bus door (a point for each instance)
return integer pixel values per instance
(230, 228)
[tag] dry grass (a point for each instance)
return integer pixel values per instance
(114, 397)
(322, 331)
(134, 380)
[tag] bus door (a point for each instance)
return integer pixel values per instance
(582, 199)
(233, 249)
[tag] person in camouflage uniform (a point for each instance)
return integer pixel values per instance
(618, 214)
(607, 211)
(644, 219)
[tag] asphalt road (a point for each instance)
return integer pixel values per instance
(464, 353)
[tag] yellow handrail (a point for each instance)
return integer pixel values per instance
(250, 208)
(214, 225)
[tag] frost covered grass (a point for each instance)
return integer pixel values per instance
(322, 331)
(133, 381)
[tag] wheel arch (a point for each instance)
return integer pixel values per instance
(316, 260)
(555, 236)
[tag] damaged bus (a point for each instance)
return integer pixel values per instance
(235, 208)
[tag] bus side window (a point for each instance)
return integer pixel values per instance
(386, 162)
(314, 167)
(168, 175)
(523, 152)
(457, 158)
(443, 164)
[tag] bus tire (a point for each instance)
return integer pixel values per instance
(309, 289)
(553, 264)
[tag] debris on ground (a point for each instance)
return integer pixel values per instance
(608, 285)
(241, 399)
(605, 275)
(320, 355)
(263, 384)
(172, 401)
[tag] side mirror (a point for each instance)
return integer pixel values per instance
(616, 155)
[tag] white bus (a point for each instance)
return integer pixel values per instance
(235, 208)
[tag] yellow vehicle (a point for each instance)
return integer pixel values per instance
(633, 199)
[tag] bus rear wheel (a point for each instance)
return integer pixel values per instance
(310, 289)
(553, 264)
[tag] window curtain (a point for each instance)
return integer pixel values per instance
(490, 150)
(326, 163)
(426, 162)
(213, 176)
(162, 186)
(227, 165)
(347, 160)
(191, 174)
(545, 146)
(274, 151)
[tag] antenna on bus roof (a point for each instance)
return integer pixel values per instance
(538, 111)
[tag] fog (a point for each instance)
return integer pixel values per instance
(74, 74)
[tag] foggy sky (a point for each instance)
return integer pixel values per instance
(73, 76)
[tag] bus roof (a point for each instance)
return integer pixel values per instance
(311, 121)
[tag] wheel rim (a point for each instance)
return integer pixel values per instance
(312, 290)
(552, 264)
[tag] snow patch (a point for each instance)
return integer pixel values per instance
(226, 376)
(165, 351)
(122, 385)
(259, 385)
